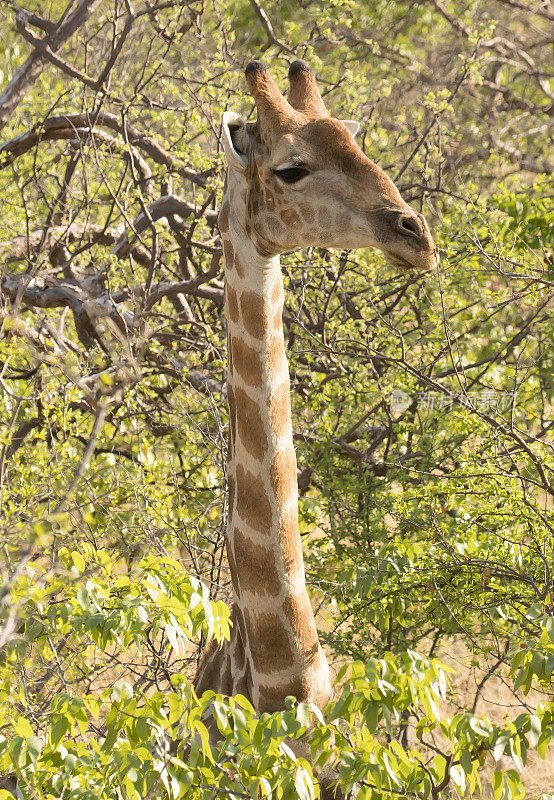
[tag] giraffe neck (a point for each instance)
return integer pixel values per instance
(275, 649)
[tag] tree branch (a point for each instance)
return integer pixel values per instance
(268, 28)
(21, 247)
(33, 66)
(65, 125)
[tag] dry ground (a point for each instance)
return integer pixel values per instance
(498, 703)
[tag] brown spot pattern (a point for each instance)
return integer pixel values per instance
(238, 622)
(223, 218)
(254, 314)
(279, 408)
(252, 502)
(299, 613)
(289, 539)
(239, 655)
(239, 268)
(208, 669)
(246, 362)
(276, 358)
(226, 677)
(228, 253)
(243, 684)
(233, 570)
(290, 218)
(269, 642)
(273, 226)
(307, 212)
(272, 698)
(250, 425)
(256, 566)
(323, 217)
(232, 303)
(283, 475)
(342, 222)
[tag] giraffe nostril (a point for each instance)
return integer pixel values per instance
(410, 226)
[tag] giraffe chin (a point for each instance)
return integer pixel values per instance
(398, 261)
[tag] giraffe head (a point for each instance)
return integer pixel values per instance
(305, 182)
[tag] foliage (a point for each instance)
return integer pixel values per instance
(422, 406)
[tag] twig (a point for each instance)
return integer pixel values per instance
(268, 28)
(33, 66)
(85, 460)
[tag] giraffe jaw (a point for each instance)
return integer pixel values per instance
(399, 261)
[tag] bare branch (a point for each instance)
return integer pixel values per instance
(454, 21)
(64, 127)
(33, 66)
(542, 11)
(85, 460)
(268, 28)
(42, 47)
(83, 135)
(21, 247)
(165, 206)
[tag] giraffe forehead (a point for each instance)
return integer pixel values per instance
(320, 142)
(291, 149)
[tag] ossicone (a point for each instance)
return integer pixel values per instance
(303, 92)
(273, 109)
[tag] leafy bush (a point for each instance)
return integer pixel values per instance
(422, 406)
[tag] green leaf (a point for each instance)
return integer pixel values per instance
(303, 714)
(78, 561)
(221, 716)
(466, 762)
(34, 748)
(517, 789)
(371, 717)
(202, 731)
(303, 784)
(386, 758)
(458, 777)
(58, 730)
(497, 784)
(542, 744)
(23, 728)
(515, 749)
(535, 728)
(500, 747)
(478, 727)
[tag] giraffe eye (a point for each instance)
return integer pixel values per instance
(291, 174)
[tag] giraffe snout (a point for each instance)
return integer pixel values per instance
(412, 240)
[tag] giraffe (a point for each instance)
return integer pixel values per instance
(295, 178)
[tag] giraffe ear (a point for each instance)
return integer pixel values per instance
(235, 139)
(352, 125)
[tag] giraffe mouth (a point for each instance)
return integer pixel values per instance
(398, 261)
